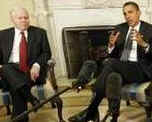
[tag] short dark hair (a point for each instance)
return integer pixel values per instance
(131, 3)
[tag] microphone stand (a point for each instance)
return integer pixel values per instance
(20, 116)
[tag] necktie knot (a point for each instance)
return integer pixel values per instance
(22, 32)
(22, 35)
(131, 34)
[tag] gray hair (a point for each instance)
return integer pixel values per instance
(14, 10)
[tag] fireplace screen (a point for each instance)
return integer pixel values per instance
(76, 42)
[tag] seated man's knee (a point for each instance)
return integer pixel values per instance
(108, 61)
(113, 85)
(5, 69)
(86, 71)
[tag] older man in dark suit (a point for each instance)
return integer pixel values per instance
(24, 52)
(131, 46)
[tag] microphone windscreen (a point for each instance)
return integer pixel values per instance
(113, 86)
(89, 67)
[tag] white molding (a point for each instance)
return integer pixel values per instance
(97, 3)
(111, 3)
(149, 10)
(65, 4)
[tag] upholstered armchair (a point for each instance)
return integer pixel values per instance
(40, 91)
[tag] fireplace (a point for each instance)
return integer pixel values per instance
(76, 42)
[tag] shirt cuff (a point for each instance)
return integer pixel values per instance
(110, 49)
(147, 48)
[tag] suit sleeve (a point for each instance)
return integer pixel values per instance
(115, 52)
(1, 56)
(45, 54)
(148, 40)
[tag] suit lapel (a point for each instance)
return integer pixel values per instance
(123, 34)
(126, 31)
(141, 29)
(30, 39)
(10, 42)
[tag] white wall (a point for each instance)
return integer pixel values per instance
(7, 5)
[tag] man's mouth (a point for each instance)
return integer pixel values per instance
(130, 22)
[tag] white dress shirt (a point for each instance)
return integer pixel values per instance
(133, 53)
(14, 57)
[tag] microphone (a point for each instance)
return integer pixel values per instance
(85, 75)
(113, 86)
(113, 93)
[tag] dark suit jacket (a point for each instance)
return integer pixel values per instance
(144, 59)
(38, 46)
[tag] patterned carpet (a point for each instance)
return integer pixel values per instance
(74, 103)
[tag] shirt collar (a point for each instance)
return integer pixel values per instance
(18, 32)
(136, 27)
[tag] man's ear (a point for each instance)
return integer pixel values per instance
(11, 19)
(139, 12)
(11, 15)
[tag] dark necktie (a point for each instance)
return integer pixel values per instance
(127, 47)
(23, 54)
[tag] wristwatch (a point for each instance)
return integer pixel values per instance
(145, 45)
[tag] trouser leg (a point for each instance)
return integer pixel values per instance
(19, 106)
(26, 94)
(98, 91)
(127, 71)
(14, 77)
(19, 86)
(18, 82)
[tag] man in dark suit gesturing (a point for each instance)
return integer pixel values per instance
(131, 46)
(24, 51)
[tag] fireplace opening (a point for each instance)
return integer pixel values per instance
(76, 42)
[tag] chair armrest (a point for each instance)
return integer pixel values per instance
(52, 79)
(51, 62)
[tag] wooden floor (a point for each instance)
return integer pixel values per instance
(74, 103)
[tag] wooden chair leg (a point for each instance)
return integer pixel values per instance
(57, 100)
(53, 104)
(148, 111)
(8, 109)
(59, 104)
(128, 102)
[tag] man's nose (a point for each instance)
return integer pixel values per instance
(23, 19)
(127, 17)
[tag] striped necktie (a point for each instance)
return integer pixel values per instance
(127, 47)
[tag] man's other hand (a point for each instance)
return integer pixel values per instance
(35, 71)
(113, 38)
